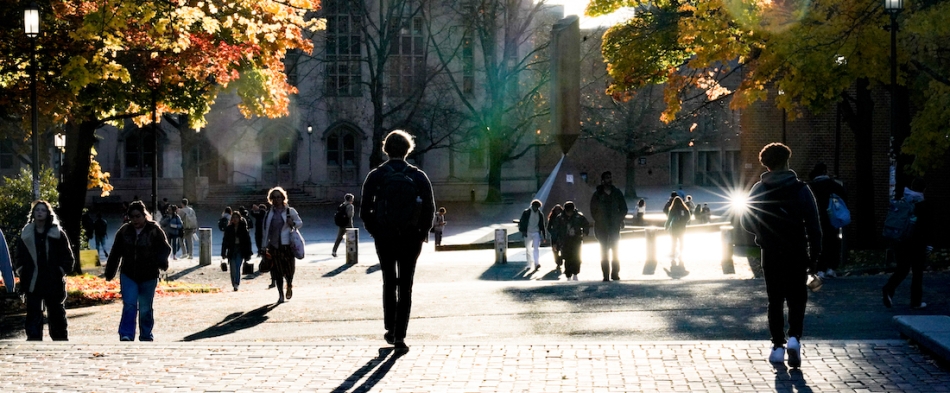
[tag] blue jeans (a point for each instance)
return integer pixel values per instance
(137, 301)
(235, 261)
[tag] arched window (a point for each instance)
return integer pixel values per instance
(139, 153)
(342, 144)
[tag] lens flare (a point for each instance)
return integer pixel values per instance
(738, 202)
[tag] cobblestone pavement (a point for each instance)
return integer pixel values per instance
(694, 366)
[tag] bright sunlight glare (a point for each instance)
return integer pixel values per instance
(576, 7)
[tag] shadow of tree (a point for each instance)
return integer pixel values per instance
(182, 273)
(233, 322)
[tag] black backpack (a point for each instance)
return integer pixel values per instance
(397, 205)
(341, 219)
(222, 223)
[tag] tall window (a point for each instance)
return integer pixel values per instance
(468, 52)
(139, 152)
(342, 152)
(343, 74)
(407, 56)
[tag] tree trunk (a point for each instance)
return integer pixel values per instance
(861, 123)
(630, 188)
(495, 161)
(80, 136)
(189, 158)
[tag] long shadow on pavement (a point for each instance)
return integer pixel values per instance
(341, 269)
(374, 378)
(183, 273)
(234, 322)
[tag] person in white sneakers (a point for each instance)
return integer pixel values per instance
(784, 219)
(532, 227)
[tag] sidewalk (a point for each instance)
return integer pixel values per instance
(698, 366)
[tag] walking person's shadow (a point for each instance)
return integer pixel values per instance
(371, 381)
(233, 322)
(790, 380)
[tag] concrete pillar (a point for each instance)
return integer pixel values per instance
(726, 235)
(649, 267)
(565, 95)
(352, 245)
(204, 246)
(501, 245)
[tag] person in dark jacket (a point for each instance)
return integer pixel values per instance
(139, 252)
(822, 186)
(555, 235)
(784, 219)
(101, 229)
(236, 247)
(572, 226)
(398, 251)
(44, 257)
(608, 209)
(533, 228)
(911, 253)
(258, 212)
(341, 230)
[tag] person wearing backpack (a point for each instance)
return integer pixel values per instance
(533, 228)
(911, 249)
(823, 186)
(343, 218)
(783, 217)
(396, 208)
(189, 225)
(676, 220)
(225, 219)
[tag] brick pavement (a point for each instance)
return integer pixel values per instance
(693, 366)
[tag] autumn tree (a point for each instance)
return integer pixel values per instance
(104, 61)
(820, 54)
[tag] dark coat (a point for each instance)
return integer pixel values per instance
(783, 215)
(140, 257)
(526, 217)
(239, 233)
(372, 183)
(571, 230)
(59, 258)
(607, 210)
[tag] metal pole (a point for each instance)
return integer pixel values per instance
(894, 148)
(155, 156)
(34, 120)
(784, 139)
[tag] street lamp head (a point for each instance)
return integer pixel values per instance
(309, 129)
(893, 6)
(31, 20)
(59, 140)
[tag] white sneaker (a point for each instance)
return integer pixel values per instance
(794, 352)
(575, 279)
(778, 355)
(831, 273)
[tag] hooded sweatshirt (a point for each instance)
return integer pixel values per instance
(783, 214)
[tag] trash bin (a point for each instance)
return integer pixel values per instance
(204, 246)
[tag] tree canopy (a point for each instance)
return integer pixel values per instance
(813, 51)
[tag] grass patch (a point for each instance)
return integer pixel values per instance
(89, 290)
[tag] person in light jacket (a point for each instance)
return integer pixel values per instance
(6, 265)
(278, 223)
(44, 257)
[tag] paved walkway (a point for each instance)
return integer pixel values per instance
(718, 366)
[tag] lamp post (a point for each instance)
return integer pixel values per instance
(310, 152)
(784, 115)
(893, 7)
(31, 26)
(59, 140)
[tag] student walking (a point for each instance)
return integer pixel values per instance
(608, 209)
(822, 186)
(573, 226)
(236, 247)
(438, 226)
(911, 252)
(343, 220)
(44, 257)
(139, 252)
(6, 265)
(396, 209)
(258, 212)
(190, 225)
(281, 219)
(532, 228)
(784, 220)
(101, 228)
(676, 220)
(555, 235)
(641, 212)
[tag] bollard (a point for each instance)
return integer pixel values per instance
(650, 236)
(726, 234)
(352, 245)
(204, 244)
(501, 246)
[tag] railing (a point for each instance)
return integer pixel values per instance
(255, 181)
